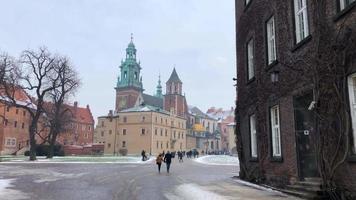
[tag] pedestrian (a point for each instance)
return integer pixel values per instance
(143, 154)
(180, 156)
(159, 160)
(168, 160)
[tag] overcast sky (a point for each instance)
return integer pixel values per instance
(197, 36)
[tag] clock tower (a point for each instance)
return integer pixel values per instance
(129, 82)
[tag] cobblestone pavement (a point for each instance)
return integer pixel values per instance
(100, 181)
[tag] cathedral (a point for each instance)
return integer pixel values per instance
(153, 123)
(130, 92)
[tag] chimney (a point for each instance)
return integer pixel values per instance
(88, 107)
(75, 104)
(110, 113)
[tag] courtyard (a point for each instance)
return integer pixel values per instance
(208, 177)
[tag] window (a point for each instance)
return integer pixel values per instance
(271, 41)
(109, 145)
(345, 3)
(10, 142)
(155, 131)
(161, 132)
(143, 131)
(161, 145)
(174, 134)
(124, 132)
(352, 97)
(250, 65)
(166, 133)
(276, 135)
(253, 136)
(24, 113)
(15, 124)
(136, 76)
(5, 122)
(102, 124)
(157, 144)
(143, 119)
(301, 20)
(17, 111)
(23, 125)
(167, 145)
(89, 128)
(125, 75)
(110, 132)
(125, 119)
(8, 109)
(123, 143)
(102, 133)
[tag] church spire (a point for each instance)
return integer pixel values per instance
(159, 88)
(130, 69)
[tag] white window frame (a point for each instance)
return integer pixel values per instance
(345, 3)
(301, 20)
(253, 136)
(10, 142)
(352, 100)
(250, 59)
(271, 40)
(276, 132)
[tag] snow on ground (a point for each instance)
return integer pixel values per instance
(258, 187)
(218, 160)
(7, 193)
(193, 191)
(81, 159)
(42, 175)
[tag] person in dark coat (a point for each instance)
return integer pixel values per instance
(168, 160)
(143, 154)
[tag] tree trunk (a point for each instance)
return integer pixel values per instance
(52, 143)
(32, 141)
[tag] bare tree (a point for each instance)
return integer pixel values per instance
(58, 113)
(35, 76)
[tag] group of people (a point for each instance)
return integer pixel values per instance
(166, 158)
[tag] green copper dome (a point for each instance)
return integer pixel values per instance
(130, 69)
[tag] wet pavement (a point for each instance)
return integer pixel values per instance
(109, 181)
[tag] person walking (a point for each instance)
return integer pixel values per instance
(159, 160)
(168, 160)
(143, 154)
(180, 156)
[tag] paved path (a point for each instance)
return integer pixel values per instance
(188, 180)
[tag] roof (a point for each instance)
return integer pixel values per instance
(220, 114)
(174, 77)
(82, 115)
(195, 111)
(20, 96)
(152, 100)
(144, 108)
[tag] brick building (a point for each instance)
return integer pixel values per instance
(274, 117)
(81, 131)
(14, 129)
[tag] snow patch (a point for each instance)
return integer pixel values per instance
(7, 193)
(193, 191)
(259, 187)
(218, 160)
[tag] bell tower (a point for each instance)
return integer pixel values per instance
(129, 82)
(174, 100)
